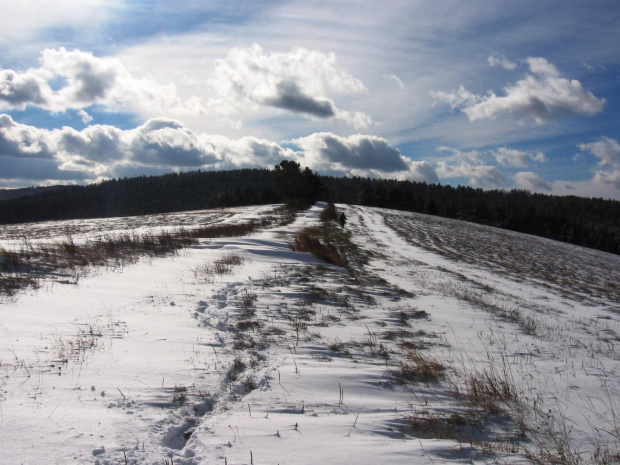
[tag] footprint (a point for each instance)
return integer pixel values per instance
(177, 435)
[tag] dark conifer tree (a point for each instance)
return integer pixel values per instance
(297, 189)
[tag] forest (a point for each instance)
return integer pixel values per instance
(588, 222)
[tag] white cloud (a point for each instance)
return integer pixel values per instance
(101, 151)
(359, 152)
(472, 157)
(542, 67)
(84, 116)
(593, 187)
(104, 151)
(395, 79)
(611, 178)
(361, 155)
(247, 152)
(462, 98)
(165, 142)
(20, 89)
(478, 175)
(87, 80)
(541, 95)
(607, 150)
(471, 166)
(99, 144)
(517, 158)
(296, 82)
(498, 60)
(22, 141)
(531, 181)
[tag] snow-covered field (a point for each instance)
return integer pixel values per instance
(445, 342)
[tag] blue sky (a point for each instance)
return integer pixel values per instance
(497, 95)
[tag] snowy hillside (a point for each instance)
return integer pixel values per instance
(438, 342)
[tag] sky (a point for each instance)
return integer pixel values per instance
(488, 94)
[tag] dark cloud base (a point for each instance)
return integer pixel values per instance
(291, 98)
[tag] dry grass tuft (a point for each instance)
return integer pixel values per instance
(419, 367)
(227, 230)
(329, 213)
(320, 243)
(222, 266)
(488, 387)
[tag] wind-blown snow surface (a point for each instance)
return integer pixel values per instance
(287, 360)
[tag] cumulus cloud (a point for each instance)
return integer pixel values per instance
(247, 152)
(101, 151)
(498, 60)
(22, 141)
(542, 94)
(297, 82)
(362, 155)
(420, 171)
(95, 144)
(531, 181)
(469, 165)
(607, 150)
(461, 98)
(18, 90)
(478, 175)
(164, 142)
(290, 97)
(84, 116)
(517, 158)
(359, 152)
(163, 145)
(611, 178)
(87, 80)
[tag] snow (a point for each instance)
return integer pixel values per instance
(289, 360)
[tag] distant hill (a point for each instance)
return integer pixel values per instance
(10, 194)
(593, 223)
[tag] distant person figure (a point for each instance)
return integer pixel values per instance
(343, 219)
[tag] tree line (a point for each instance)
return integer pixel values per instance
(593, 223)
(145, 195)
